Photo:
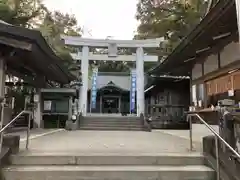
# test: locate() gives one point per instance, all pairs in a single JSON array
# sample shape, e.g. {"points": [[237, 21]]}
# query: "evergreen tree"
{"points": [[171, 19]]}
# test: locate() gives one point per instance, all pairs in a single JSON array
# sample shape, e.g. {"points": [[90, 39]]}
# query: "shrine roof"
{"points": [[158, 80], [161, 83], [28, 54], [112, 86], [216, 30]]}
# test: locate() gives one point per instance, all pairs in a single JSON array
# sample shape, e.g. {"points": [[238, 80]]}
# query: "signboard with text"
{"points": [[133, 91], [94, 88]]}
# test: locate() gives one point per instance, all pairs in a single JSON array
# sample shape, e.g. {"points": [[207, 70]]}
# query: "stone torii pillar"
{"points": [[84, 88], [140, 80]]}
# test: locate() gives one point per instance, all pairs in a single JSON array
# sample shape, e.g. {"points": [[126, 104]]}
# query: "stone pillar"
{"points": [[75, 106], [70, 107], [119, 104], [38, 122], [100, 103], [84, 89], [140, 80]]}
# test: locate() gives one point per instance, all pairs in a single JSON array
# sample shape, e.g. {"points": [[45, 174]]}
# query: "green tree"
{"points": [[114, 66], [33, 14], [22, 12], [170, 19], [52, 27]]}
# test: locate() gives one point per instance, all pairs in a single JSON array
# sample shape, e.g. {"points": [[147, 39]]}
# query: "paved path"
{"points": [[115, 141], [199, 131], [109, 142], [35, 133]]}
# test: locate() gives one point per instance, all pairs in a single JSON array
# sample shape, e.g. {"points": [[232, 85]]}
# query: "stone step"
{"points": [[111, 121], [112, 118], [105, 128], [108, 173], [109, 125], [41, 158]]}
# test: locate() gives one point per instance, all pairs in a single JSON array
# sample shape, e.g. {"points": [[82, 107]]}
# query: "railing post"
{"points": [[1, 125], [28, 130], [190, 133], [217, 158]]}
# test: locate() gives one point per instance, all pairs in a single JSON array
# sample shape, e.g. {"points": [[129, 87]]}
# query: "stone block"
{"points": [[68, 125], [229, 167], [12, 142], [75, 126], [209, 144]]}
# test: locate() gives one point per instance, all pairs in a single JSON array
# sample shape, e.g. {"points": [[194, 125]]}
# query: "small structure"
{"points": [[166, 100], [174, 95], [112, 47], [56, 106], [25, 54]]}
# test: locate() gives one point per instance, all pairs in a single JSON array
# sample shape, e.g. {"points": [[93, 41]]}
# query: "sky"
{"points": [[102, 18]]}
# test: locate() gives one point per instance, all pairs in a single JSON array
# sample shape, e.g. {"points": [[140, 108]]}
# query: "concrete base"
{"points": [[72, 125], [12, 142], [68, 125], [75, 126], [229, 168], [10, 146]]}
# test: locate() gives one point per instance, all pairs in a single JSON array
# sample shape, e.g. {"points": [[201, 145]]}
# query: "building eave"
{"points": [[36, 46], [200, 42]]}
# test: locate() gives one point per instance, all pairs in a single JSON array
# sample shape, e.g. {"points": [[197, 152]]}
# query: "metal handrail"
{"points": [[11, 122], [217, 137]]}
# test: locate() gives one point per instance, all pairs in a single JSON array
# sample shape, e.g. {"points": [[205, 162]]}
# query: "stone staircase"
{"points": [[111, 122], [75, 166]]}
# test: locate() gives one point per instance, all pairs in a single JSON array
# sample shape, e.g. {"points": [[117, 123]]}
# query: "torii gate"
{"points": [[84, 55]]}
